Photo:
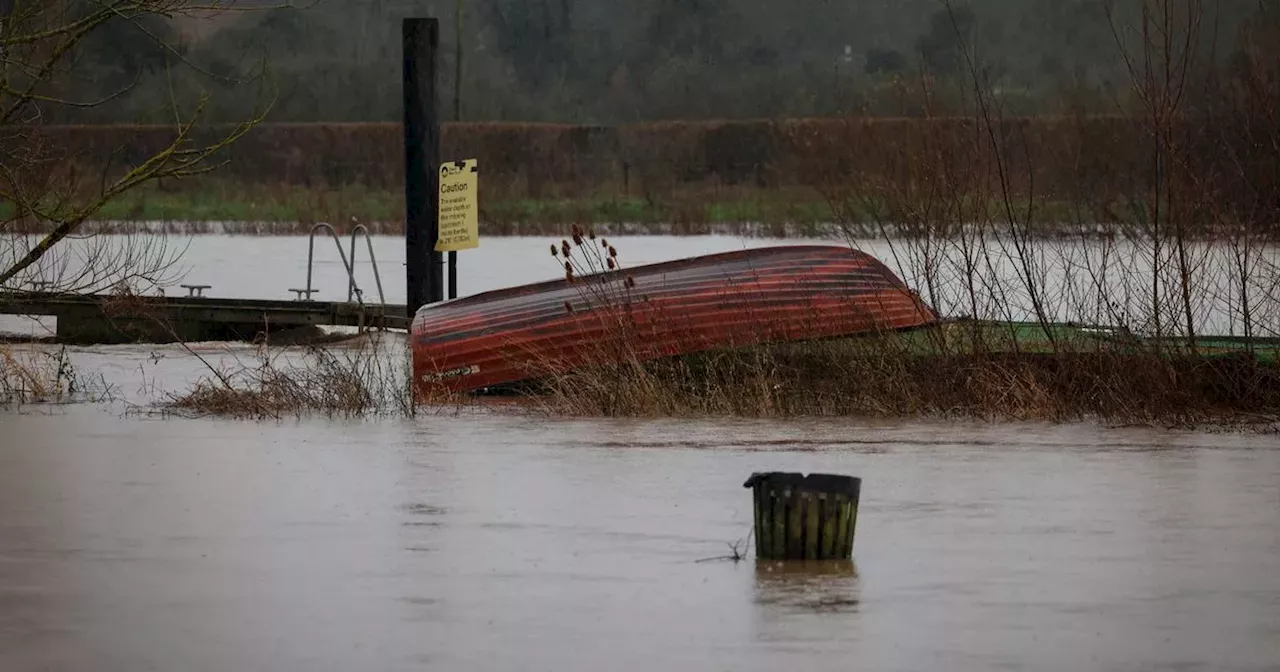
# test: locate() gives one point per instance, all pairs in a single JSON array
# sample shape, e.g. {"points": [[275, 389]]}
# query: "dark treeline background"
{"points": [[616, 61]]}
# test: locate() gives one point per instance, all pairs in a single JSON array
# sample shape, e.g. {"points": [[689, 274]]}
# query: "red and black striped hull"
{"points": [[722, 300]]}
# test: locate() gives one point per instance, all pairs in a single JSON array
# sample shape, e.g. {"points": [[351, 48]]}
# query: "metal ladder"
{"points": [[353, 289]]}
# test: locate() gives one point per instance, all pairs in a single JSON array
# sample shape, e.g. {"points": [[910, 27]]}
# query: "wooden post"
{"points": [[424, 267], [800, 517], [457, 117]]}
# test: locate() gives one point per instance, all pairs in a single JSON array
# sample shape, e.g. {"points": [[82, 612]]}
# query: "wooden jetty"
{"points": [[112, 319]]}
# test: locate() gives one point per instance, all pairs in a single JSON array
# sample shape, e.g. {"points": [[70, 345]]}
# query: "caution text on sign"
{"points": [[459, 206]]}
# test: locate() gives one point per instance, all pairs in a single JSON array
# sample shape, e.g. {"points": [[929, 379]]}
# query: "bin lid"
{"points": [[833, 483]]}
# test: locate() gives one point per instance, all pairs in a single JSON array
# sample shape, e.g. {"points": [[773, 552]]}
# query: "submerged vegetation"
{"points": [[363, 377], [897, 375], [39, 376]]}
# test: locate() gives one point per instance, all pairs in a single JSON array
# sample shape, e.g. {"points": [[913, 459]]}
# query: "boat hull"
{"points": [[788, 293]]}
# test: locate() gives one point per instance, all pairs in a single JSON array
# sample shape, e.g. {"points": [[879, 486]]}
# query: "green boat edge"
{"points": [[966, 336]]}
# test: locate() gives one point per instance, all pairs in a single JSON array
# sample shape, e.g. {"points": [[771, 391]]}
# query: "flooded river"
{"points": [[486, 540], [497, 540]]}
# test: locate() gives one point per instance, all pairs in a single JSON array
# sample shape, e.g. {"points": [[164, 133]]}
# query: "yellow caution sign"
{"points": [[459, 206]]}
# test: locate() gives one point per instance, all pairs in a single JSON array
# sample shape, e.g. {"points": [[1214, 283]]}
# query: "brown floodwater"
{"points": [[478, 541]]}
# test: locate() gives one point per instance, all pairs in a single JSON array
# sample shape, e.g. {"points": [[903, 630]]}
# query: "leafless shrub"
{"points": [[371, 379]]}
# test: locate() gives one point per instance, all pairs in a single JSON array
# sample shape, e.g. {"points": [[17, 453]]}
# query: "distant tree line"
{"points": [[614, 61]]}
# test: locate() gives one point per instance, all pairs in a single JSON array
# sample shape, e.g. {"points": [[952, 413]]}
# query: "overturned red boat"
{"points": [[788, 293]]}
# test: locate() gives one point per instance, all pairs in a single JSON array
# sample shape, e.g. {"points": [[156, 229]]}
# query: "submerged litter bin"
{"points": [[802, 517]]}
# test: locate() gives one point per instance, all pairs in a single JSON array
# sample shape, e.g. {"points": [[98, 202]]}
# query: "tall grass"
{"points": [[882, 378], [367, 377], [38, 375]]}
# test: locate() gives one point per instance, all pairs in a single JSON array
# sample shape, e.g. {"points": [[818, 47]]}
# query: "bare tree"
{"points": [[47, 192]]}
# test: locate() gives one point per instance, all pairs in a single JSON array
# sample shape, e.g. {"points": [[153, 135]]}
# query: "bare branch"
{"points": [[46, 188]]}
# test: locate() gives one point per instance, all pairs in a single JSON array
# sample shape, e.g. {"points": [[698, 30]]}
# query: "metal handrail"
{"points": [[337, 242], [373, 260]]}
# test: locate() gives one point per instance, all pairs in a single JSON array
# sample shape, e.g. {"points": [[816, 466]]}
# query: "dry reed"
{"points": [[39, 375], [368, 376], [911, 375]]}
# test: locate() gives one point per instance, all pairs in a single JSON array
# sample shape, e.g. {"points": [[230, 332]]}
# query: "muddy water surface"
{"points": [[487, 541], [495, 540]]}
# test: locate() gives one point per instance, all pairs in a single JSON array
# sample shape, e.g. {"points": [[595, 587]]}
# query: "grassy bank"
{"points": [[983, 371], [213, 205], [219, 206], [214, 200]]}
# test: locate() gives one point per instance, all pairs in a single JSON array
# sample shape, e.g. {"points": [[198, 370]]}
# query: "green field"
{"points": [[282, 209]]}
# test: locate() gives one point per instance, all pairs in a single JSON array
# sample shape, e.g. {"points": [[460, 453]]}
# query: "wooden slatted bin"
{"points": [[800, 517]]}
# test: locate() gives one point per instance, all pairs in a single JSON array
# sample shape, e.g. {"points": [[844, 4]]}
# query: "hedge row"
{"points": [[1048, 156]]}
